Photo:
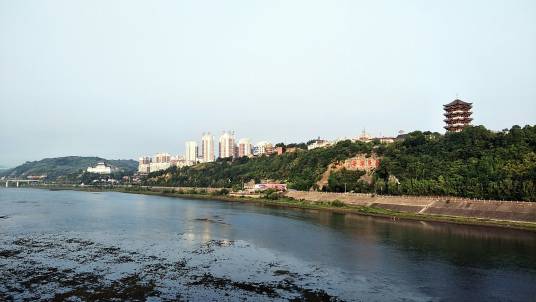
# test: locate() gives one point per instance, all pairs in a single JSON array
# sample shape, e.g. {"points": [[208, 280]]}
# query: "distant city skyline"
{"points": [[149, 76]]}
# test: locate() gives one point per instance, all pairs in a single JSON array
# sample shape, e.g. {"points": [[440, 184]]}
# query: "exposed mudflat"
{"points": [[66, 267]]}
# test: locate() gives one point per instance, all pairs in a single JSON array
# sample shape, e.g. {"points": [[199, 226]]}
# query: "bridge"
{"points": [[17, 181]]}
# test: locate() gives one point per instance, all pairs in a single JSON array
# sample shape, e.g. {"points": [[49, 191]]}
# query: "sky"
{"points": [[121, 79]]}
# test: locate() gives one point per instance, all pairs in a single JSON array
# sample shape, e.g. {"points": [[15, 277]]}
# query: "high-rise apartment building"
{"points": [[191, 153], [207, 147], [244, 147], [227, 145]]}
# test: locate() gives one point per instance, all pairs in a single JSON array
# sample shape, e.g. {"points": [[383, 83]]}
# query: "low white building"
{"points": [[319, 143], [153, 167], [101, 168]]}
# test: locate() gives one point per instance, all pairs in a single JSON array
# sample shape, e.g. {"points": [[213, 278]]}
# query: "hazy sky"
{"points": [[119, 79]]}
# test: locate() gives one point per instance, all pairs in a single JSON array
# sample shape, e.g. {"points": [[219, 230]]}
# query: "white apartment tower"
{"points": [[144, 165], [244, 147], [262, 148], [227, 145], [191, 153], [207, 147]]}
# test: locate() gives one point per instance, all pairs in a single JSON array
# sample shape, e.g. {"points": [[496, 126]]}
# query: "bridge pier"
{"points": [[19, 181]]}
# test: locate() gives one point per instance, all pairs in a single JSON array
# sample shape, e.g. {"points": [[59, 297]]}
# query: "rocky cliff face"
{"points": [[359, 162]]}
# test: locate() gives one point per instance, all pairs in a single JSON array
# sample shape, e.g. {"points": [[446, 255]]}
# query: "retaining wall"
{"points": [[453, 206]]}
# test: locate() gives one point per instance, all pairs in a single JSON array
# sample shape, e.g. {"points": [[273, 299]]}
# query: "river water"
{"points": [[69, 245]]}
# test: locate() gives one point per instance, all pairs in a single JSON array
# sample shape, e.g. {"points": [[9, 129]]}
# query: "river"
{"points": [[70, 245]]}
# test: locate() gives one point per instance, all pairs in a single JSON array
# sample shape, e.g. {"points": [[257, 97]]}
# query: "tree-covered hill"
{"points": [[300, 169], [66, 166], [475, 163]]}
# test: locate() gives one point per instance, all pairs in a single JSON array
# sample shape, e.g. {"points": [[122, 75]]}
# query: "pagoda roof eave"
{"points": [[457, 102]]}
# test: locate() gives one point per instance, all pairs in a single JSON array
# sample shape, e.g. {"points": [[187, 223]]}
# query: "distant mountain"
{"points": [[66, 166]]}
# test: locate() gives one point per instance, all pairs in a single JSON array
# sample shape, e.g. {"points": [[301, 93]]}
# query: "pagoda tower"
{"points": [[458, 115]]}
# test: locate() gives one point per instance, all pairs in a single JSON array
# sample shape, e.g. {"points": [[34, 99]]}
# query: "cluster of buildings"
{"points": [[227, 147], [457, 116], [364, 137]]}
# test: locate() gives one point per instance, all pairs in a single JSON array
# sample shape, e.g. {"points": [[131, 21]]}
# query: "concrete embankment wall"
{"points": [[185, 189], [503, 210]]}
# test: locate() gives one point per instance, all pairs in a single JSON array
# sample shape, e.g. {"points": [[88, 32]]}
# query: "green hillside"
{"points": [[300, 169], [475, 163], [66, 166]]}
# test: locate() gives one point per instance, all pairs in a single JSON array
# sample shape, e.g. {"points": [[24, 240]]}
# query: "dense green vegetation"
{"points": [[300, 169], [475, 163], [70, 167], [347, 181]]}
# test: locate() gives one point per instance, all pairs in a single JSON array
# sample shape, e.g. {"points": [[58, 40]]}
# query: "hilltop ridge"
{"points": [[57, 167]]}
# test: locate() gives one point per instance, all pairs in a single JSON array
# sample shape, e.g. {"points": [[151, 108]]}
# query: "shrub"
{"points": [[223, 191], [337, 203], [271, 194]]}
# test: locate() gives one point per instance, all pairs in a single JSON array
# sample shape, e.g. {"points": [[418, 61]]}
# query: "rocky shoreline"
{"points": [[62, 267]]}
